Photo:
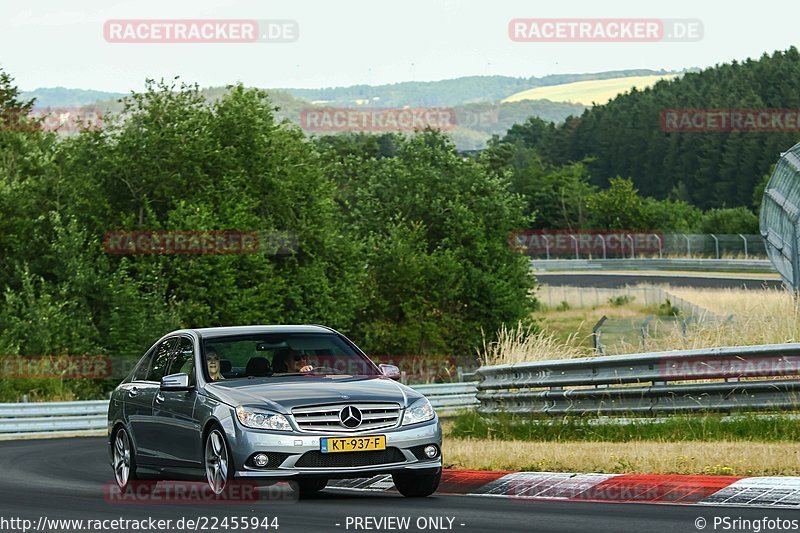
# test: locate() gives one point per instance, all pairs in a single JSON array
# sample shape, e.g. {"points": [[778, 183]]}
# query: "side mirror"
{"points": [[390, 371], [176, 382]]}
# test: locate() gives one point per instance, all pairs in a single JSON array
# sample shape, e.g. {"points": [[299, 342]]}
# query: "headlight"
{"points": [[253, 418], [419, 411]]}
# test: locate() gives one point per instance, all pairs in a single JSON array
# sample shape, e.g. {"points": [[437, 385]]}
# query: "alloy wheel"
{"points": [[216, 461], [122, 458]]}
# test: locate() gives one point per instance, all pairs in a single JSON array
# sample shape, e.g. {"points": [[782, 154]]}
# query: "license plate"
{"points": [[352, 444]]}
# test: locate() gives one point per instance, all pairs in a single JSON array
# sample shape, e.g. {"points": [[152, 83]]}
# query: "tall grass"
{"points": [[520, 344], [762, 316]]}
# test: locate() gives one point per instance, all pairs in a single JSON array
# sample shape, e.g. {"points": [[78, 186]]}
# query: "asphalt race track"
{"points": [[64, 478], [620, 280]]}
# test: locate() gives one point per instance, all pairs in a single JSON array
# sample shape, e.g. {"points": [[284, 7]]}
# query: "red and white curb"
{"points": [[623, 488]]}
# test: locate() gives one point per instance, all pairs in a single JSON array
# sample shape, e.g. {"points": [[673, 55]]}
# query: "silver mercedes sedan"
{"points": [[269, 403]]}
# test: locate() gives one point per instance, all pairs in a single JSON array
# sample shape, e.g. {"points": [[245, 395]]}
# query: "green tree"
{"points": [[618, 207], [439, 267]]}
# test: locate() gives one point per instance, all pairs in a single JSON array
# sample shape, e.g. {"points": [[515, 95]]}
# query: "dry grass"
{"points": [[763, 302], [518, 344], [712, 458], [764, 316]]}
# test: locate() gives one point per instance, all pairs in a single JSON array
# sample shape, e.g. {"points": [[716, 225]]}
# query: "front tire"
{"points": [[413, 485], [219, 468], [123, 459]]}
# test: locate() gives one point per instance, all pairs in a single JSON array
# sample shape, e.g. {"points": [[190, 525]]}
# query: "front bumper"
{"points": [[290, 447]]}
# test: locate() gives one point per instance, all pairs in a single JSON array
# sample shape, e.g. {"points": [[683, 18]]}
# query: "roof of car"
{"points": [[255, 330]]}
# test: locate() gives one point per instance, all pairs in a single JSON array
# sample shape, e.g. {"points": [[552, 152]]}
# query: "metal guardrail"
{"points": [[449, 398], [89, 417], [52, 418], [748, 378], [741, 379], [702, 265]]}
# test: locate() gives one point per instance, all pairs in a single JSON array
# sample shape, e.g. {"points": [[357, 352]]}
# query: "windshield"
{"points": [[284, 354]]}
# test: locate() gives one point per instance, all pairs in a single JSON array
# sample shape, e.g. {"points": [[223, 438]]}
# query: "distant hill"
{"points": [[458, 91], [476, 122], [476, 100], [738, 117], [589, 92], [63, 97]]}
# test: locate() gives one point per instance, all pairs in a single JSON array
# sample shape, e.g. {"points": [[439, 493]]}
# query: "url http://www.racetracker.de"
{"points": [[148, 524]]}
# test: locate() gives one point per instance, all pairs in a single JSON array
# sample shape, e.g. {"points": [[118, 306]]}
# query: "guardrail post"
{"points": [[596, 344], [745, 244], [546, 245], [643, 330], [716, 243], [575, 240], [633, 247], [603, 242], [660, 246], [688, 245], [24, 398]]}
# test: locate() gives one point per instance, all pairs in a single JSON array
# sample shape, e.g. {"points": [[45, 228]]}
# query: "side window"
{"points": [[140, 373], [161, 359], [183, 361]]}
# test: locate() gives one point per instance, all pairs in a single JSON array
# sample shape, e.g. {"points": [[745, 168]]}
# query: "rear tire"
{"points": [[413, 485], [306, 488]]}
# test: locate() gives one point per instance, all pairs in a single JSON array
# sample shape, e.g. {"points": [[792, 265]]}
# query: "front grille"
{"points": [[318, 459], [325, 418]]}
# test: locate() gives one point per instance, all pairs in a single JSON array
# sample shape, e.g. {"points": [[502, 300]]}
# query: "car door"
{"points": [[139, 402], [174, 426]]}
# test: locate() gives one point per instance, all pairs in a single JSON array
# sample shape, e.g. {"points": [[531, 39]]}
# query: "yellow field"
{"points": [[587, 92]]}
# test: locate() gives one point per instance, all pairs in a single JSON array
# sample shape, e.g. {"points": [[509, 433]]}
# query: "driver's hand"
{"points": [[306, 368]]}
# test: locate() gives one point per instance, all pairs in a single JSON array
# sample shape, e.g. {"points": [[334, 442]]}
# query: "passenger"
{"points": [[285, 362], [214, 364]]}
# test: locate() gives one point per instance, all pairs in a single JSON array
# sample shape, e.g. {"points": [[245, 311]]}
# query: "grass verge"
{"points": [[707, 428], [734, 458], [696, 445]]}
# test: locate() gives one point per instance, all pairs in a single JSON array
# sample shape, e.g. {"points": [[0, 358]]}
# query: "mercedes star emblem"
{"points": [[350, 417]]}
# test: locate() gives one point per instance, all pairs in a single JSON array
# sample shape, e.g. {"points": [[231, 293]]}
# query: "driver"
{"points": [[285, 361], [214, 365]]}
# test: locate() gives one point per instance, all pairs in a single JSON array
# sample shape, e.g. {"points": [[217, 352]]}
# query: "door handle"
{"points": [[159, 398], [133, 391]]}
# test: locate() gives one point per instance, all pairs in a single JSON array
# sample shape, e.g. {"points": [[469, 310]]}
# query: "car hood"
{"points": [[283, 394]]}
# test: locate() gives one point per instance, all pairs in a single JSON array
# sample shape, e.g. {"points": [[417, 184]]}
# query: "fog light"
{"points": [[260, 460], [431, 451]]}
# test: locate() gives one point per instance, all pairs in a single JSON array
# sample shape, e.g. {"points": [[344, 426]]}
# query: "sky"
{"points": [[48, 43]]}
